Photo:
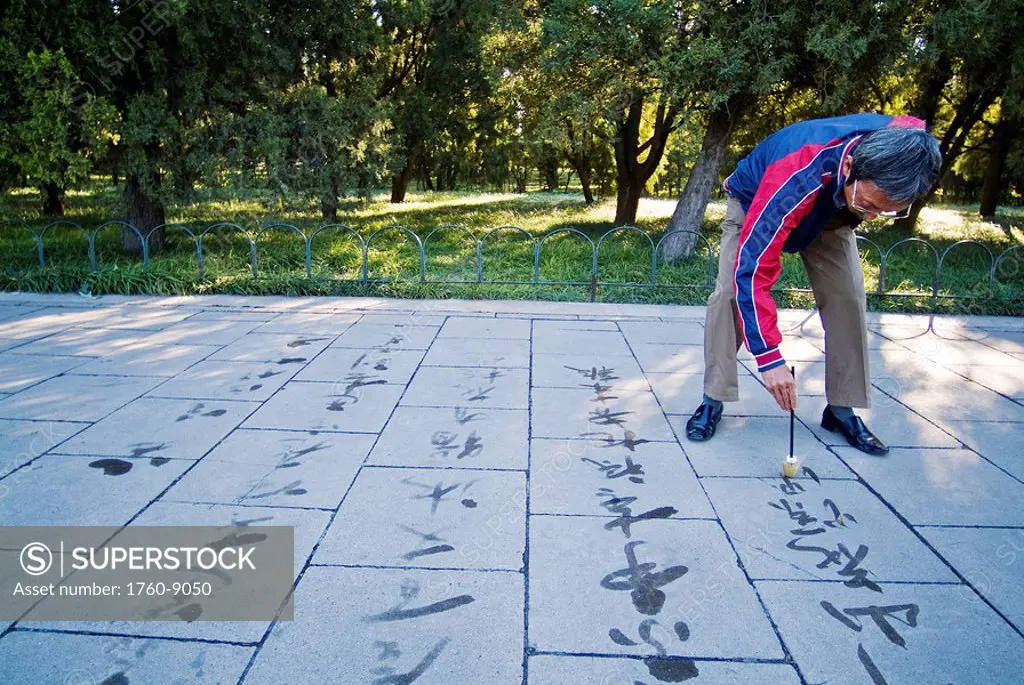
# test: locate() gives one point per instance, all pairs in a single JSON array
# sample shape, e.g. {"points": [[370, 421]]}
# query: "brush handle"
{"points": [[792, 418]]}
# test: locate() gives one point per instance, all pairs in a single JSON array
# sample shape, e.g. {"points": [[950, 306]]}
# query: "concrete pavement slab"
{"points": [[336, 363], [163, 361], [894, 423], [674, 333], [400, 625], [574, 341], [308, 525], [74, 398], [655, 358], [942, 487], [997, 441], [255, 317], [474, 387], [622, 480], [541, 446], [670, 589], [353, 404], [941, 394], [901, 635], [408, 319], [491, 329], [276, 468], [156, 427], [549, 326], [219, 380], [301, 323], [452, 437], [570, 670], [835, 530], [18, 372], [195, 331], [268, 347], [58, 490], [497, 352], [571, 413], [29, 657], [755, 446], [990, 559], [395, 337], [1003, 380], [584, 369], [85, 342], [437, 519], [23, 441]]}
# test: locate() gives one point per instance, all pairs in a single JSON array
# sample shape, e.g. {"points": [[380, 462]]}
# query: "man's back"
{"points": [[745, 180]]}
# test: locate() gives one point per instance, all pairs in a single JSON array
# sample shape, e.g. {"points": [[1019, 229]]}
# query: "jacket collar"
{"points": [[840, 180]]}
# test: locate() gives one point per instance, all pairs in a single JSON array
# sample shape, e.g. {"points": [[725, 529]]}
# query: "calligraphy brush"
{"points": [[791, 466]]}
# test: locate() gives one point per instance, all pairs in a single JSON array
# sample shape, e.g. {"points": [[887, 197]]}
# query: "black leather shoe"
{"points": [[702, 424], [855, 432]]}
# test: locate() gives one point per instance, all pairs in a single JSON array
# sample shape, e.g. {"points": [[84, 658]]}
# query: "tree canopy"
{"points": [[317, 100]]}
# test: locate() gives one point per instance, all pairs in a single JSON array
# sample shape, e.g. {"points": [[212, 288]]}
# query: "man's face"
{"points": [[869, 200]]}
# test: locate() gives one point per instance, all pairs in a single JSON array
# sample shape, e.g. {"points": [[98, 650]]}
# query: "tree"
{"points": [[56, 137], [48, 119], [169, 67], [970, 56], [517, 125], [580, 156], [740, 57], [1004, 133], [437, 75], [607, 64]]}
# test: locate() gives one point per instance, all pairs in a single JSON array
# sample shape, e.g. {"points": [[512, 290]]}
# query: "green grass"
{"points": [[508, 256]]}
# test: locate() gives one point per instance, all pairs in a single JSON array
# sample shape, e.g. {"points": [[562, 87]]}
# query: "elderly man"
{"points": [[803, 189]]}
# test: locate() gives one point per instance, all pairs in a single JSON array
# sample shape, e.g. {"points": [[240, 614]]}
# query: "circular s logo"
{"points": [[36, 558]]}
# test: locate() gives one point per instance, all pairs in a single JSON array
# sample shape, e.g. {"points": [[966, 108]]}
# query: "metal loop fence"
{"points": [[1000, 267]]}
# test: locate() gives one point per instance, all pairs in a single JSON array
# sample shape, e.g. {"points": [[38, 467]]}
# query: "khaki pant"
{"points": [[833, 267]]}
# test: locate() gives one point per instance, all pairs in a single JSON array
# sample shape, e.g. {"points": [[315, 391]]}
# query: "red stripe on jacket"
{"points": [[907, 121], [784, 197]]}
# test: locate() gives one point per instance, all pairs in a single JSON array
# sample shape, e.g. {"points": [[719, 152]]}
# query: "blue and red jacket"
{"points": [[790, 185]]}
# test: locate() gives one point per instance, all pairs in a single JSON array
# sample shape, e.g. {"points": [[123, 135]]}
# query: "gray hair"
{"points": [[903, 162]]}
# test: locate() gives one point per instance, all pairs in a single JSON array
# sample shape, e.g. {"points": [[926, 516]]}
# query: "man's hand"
{"points": [[782, 386]]}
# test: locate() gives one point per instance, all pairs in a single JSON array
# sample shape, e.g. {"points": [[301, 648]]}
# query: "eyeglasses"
{"points": [[886, 214]]}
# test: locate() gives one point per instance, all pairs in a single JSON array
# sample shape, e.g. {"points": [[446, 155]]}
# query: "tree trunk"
{"points": [[910, 222], [584, 174], [927, 105], [329, 209], [114, 160], [363, 189], [549, 171], [631, 173], [579, 159], [992, 187], [53, 200], [520, 174], [968, 113], [927, 108], [144, 213], [580, 163], [627, 201], [329, 201], [689, 213], [400, 185]]}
